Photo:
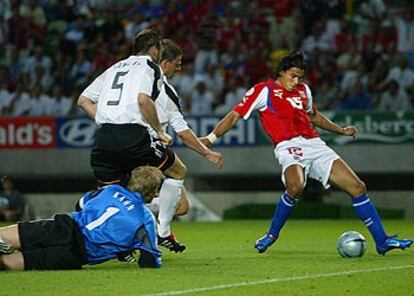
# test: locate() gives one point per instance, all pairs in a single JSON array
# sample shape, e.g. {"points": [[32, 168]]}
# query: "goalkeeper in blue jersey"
{"points": [[113, 220]]}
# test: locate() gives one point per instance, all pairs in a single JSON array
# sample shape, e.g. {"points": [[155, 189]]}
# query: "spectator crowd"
{"points": [[360, 53]]}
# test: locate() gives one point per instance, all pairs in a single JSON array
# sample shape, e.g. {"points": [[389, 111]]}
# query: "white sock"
{"points": [[154, 206], [170, 194]]}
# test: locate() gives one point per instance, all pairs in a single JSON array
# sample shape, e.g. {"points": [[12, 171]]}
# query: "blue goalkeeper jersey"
{"points": [[115, 220]]}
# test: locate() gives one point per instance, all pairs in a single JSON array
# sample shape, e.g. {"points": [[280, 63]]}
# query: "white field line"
{"points": [[279, 280]]}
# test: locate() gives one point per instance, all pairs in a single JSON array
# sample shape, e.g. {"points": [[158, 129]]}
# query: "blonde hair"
{"points": [[146, 180]]}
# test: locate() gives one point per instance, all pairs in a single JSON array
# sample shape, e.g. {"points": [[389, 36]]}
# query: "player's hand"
{"points": [[216, 158], [148, 260], [165, 138], [205, 141], [351, 130]]}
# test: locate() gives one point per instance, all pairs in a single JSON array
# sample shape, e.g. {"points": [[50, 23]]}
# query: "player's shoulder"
{"points": [[114, 188], [304, 90], [263, 84], [303, 87], [258, 87], [154, 67]]}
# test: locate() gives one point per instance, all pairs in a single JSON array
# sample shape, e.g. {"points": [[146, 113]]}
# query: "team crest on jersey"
{"points": [[243, 101], [278, 93], [302, 94], [250, 92]]}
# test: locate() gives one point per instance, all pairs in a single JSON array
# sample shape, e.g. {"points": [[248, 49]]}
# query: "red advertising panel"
{"points": [[26, 132]]}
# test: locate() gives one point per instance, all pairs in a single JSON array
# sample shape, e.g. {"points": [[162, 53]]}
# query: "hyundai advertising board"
{"points": [[75, 132]]}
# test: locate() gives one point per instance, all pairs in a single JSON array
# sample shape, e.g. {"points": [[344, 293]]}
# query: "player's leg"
{"points": [[12, 261], [170, 193], [119, 149], [294, 178], [158, 155], [345, 178], [52, 244], [182, 207], [105, 169], [183, 204], [295, 183], [9, 239]]}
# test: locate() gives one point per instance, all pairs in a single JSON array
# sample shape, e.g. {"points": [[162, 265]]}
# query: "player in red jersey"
{"points": [[288, 115]]}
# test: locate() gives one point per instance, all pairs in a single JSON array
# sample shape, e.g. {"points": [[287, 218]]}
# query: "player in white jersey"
{"points": [[169, 113], [121, 100]]}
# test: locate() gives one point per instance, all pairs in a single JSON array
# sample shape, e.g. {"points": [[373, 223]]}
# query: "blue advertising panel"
{"points": [[79, 132], [75, 132], [245, 133]]}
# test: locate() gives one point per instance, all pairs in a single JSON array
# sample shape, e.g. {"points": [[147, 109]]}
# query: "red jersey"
{"points": [[284, 114]]}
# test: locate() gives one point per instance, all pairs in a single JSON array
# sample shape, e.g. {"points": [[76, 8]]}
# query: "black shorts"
{"points": [[52, 244], [121, 148]]}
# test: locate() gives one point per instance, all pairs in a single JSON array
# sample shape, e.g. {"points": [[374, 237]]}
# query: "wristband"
{"points": [[211, 137]]}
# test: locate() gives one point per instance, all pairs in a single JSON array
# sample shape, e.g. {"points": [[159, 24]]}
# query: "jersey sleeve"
{"points": [[85, 198], [172, 108], [148, 260], [310, 107], [146, 242], [151, 81], [254, 99], [177, 121], [93, 91]]}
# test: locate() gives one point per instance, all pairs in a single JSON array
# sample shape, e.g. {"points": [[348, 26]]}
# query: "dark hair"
{"points": [[144, 40], [170, 50], [294, 59]]}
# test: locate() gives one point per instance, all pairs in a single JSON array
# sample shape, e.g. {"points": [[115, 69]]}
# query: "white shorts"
{"points": [[313, 155]]}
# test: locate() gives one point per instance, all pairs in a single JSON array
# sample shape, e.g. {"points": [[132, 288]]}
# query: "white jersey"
{"points": [[116, 90], [169, 110]]}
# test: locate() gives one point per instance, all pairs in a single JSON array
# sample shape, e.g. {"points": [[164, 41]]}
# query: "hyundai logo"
{"points": [[78, 132]]}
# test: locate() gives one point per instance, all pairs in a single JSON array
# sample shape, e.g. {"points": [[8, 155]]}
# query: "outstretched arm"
{"points": [[226, 124], [191, 141], [320, 120]]}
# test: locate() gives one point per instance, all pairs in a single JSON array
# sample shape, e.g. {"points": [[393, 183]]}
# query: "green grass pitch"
{"points": [[220, 260]]}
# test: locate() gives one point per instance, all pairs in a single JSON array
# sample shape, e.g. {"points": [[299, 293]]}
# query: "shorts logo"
{"points": [[296, 152], [156, 146]]}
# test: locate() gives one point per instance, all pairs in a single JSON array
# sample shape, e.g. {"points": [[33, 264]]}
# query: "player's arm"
{"points": [[149, 112], [88, 99], [87, 105], [226, 124], [149, 260], [191, 141], [147, 94], [320, 120], [150, 256]]}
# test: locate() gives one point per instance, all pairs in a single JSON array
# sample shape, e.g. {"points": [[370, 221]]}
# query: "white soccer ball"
{"points": [[351, 244]]}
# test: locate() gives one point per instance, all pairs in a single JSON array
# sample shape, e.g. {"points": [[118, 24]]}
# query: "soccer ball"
{"points": [[351, 244]]}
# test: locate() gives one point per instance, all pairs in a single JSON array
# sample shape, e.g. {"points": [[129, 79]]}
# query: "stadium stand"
{"points": [[356, 49]]}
